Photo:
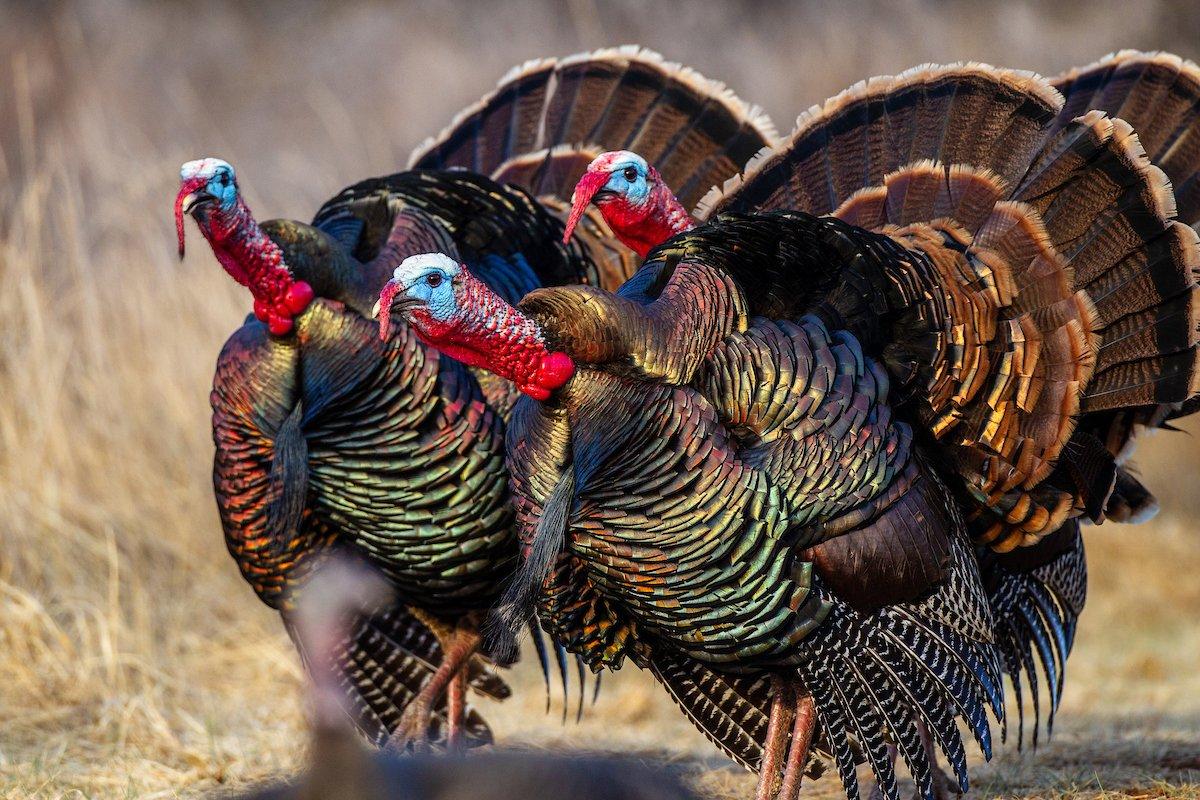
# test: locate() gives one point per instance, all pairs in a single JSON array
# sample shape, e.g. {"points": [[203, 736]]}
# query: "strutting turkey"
{"points": [[331, 440], [1037, 594], [742, 482]]}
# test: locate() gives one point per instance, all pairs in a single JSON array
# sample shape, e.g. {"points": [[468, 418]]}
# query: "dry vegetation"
{"points": [[133, 660]]}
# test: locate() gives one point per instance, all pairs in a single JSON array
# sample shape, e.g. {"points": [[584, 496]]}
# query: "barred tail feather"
{"points": [[876, 675], [1036, 608], [864, 686], [730, 710]]}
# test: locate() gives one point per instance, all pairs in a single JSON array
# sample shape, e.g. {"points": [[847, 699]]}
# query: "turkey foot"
{"points": [[789, 734], [458, 646]]}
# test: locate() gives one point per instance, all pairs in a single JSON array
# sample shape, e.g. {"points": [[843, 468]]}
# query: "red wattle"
{"points": [[536, 392], [299, 295], [557, 369], [262, 311], [280, 326]]}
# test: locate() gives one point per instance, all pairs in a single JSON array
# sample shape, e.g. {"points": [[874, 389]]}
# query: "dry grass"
{"points": [[133, 660]]}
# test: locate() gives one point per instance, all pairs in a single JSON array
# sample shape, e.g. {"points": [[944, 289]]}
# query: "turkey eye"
{"points": [[434, 279], [631, 174]]}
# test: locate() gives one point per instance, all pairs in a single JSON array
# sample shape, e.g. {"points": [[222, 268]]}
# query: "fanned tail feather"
{"points": [[1156, 93], [546, 116], [730, 710], [969, 114], [869, 677]]}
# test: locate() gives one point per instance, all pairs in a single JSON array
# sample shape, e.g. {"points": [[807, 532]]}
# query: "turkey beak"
{"points": [[585, 191], [193, 199]]}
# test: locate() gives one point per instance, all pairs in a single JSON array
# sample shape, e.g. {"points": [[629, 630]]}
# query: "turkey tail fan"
{"points": [[1110, 213], [550, 171], [969, 114], [385, 661], [1037, 594], [1069, 293], [1158, 94], [551, 112]]}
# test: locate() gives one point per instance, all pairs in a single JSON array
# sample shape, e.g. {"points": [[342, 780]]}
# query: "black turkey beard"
{"points": [[515, 610]]}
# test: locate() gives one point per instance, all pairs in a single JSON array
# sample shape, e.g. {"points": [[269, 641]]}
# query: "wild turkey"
{"points": [[1036, 594], [745, 469], [330, 440]]}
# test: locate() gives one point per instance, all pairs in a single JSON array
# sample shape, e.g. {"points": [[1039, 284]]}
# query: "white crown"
{"points": [[203, 168], [414, 267]]}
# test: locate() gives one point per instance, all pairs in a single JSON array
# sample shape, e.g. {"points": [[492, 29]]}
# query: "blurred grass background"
{"points": [[134, 662]]}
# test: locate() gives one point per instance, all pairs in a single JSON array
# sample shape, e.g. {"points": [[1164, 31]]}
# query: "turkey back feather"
{"points": [[482, 218]]}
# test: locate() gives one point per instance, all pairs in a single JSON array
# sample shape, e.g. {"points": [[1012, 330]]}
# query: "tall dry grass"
{"points": [[133, 660]]}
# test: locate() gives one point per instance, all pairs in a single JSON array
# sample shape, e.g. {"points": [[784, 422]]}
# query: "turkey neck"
{"points": [[248, 254], [498, 337], [643, 233]]}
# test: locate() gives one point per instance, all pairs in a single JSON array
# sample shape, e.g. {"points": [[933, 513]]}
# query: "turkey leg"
{"points": [[779, 729], [455, 710], [778, 723], [458, 646], [802, 732]]}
